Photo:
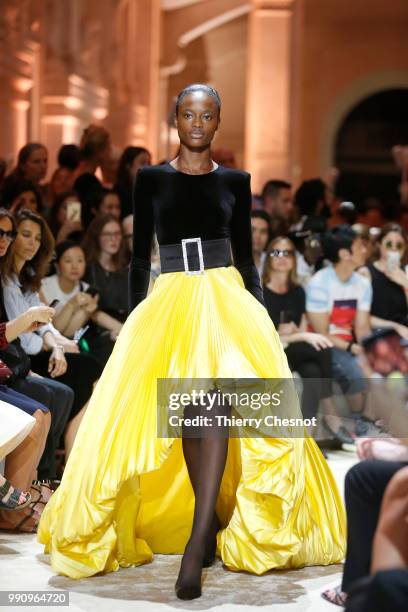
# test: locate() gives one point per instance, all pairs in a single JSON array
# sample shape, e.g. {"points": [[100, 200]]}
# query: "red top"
{"points": [[3, 339]]}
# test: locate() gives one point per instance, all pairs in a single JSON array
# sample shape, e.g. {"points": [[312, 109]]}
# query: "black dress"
{"points": [[389, 300], [312, 365], [220, 199]]}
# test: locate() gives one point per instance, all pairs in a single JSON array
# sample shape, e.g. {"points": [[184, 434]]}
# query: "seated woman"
{"points": [[107, 272], [75, 306], [23, 270], [389, 280], [308, 353]]}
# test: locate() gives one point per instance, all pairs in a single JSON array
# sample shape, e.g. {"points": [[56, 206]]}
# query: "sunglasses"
{"points": [[399, 246], [281, 253], [10, 236]]}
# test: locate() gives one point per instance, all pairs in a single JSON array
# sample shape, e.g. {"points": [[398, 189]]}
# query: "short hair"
{"points": [[340, 237], [272, 188], [69, 156], [198, 87], [64, 246], [309, 194]]}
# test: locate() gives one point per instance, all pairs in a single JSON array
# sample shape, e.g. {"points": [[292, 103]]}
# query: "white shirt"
{"points": [[16, 303], [51, 290]]}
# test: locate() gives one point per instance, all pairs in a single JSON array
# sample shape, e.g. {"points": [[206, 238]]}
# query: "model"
{"points": [[258, 502]]}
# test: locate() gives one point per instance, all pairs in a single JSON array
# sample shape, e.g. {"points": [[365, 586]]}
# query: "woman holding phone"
{"points": [[389, 280], [77, 307], [51, 353]]}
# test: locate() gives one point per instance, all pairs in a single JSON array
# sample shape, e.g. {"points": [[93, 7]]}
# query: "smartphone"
{"points": [[80, 332], [74, 211], [92, 291], [393, 260], [54, 303], [385, 352]]}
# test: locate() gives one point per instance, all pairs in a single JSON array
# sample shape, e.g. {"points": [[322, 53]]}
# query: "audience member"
{"points": [[365, 486], [313, 200], [55, 399], [131, 160], [371, 213], [75, 306], [107, 272], [108, 204], [338, 306], [21, 193], [69, 157], [261, 236], [65, 218], [127, 228], [389, 281], [51, 353], [307, 352], [278, 203]]}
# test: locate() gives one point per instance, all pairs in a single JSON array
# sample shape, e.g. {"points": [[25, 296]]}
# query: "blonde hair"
{"points": [[293, 280]]}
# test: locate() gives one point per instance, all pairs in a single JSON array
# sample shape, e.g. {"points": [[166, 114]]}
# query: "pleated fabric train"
{"points": [[125, 493]]}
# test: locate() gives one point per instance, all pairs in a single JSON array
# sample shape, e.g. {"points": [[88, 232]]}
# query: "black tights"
{"points": [[205, 451]]}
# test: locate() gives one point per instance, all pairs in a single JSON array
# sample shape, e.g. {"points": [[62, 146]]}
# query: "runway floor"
{"points": [[150, 587]]}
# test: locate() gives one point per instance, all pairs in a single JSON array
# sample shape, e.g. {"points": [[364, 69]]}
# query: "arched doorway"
{"points": [[363, 147]]}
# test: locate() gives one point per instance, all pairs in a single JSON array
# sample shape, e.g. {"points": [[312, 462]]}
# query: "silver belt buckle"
{"points": [[200, 255]]}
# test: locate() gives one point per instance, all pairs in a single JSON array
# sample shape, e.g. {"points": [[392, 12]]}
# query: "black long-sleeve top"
{"points": [[179, 205]]}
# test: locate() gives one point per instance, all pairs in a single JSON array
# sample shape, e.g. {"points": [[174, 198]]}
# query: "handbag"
{"points": [[16, 360]]}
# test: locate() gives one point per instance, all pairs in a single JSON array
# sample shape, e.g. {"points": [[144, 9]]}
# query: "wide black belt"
{"points": [[193, 255]]}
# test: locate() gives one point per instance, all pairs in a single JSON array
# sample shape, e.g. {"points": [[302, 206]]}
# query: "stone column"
{"points": [[268, 99], [134, 78], [17, 56]]}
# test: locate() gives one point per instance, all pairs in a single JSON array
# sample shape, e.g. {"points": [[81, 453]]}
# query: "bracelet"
{"points": [[60, 347]]}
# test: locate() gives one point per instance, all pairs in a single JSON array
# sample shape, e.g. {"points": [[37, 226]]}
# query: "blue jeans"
{"points": [[347, 372]]}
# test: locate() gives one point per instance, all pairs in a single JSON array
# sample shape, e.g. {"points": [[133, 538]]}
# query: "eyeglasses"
{"points": [[111, 235], [10, 236], [399, 246], [281, 253]]}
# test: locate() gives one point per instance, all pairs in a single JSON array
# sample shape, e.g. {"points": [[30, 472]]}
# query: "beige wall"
{"points": [[219, 58], [122, 62], [349, 50]]}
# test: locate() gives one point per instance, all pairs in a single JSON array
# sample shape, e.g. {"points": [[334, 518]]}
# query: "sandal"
{"points": [[28, 524], [40, 499], [335, 596], [13, 502], [47, 484]]}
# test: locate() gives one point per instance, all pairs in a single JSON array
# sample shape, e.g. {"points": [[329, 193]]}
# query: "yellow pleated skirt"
{"points": [[125, 493]]}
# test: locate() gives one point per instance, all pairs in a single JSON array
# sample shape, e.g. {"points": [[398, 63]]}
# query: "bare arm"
{"points": [[362, 327], [320, 323]]}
